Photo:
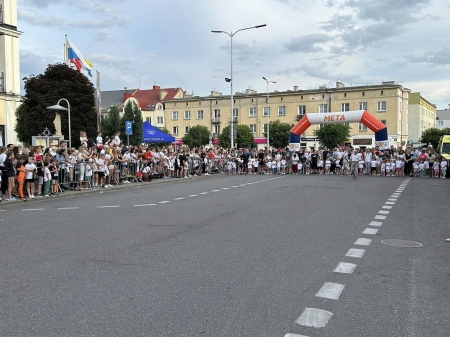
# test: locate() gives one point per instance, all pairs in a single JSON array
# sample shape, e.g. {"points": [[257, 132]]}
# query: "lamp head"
{"points": [[56, 107], [260, 26]]}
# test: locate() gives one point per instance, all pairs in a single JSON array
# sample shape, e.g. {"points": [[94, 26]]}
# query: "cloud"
{"points": [[438, 57], [243, 51], [307, 43]]}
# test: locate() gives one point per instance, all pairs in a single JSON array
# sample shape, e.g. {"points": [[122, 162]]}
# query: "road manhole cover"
{"points": [[402, 243]]}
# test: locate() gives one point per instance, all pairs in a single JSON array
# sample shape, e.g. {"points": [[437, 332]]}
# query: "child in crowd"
{"points": [[40, 175], [338, 167], [99, 141], [443, 168], [30, 168], [421, 169], [373, 166], [230, 167], [398, 167], [283, 165], [278, 166], [274, 166], [54, 176], [361, 167], [436, 166], [388, 167], [233, 167], [327, 166], [20, 176], [415, 168], [250, 166], [383, 168], [426, 164], [320, 165], [83, 138], [47, 178], [88, 174], [255, 166]]}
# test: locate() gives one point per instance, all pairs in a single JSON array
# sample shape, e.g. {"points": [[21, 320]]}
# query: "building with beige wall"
{"points": [[388, 102], [421, 116], [9, 70]]}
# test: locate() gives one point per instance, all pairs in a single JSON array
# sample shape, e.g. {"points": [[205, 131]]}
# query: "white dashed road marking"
{"points": [[144, 205], [65, 208], [315, 318], [33, 209], [331, 291], [394, 196], [376, 223], [392, 199], [108, 206], [163, 202], [355, 252], [193, 195], [225, 188], [363, 242], [203, 193], [383, 212], [390, 203], [345, 268], [371, 231], [180, 198], [387, 207], [215, 191], [293, 335], [380, 217]]}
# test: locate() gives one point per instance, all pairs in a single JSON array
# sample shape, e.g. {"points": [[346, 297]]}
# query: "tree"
{"points": [[111, 123], [332, 135], [58, 81], [432, 136], [244, 137], [198, 135], [279, 134], [136, 139]]}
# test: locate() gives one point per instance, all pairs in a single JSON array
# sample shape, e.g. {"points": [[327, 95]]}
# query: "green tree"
{"points": [[244, 137], [432, 136], [58, 81], [136, 139], [279, 134], [198, 135], [332, 135], [111, 123]]}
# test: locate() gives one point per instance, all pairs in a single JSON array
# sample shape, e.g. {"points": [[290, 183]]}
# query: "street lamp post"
{"points": [[268, 111], [231, 34], [59, 107]]}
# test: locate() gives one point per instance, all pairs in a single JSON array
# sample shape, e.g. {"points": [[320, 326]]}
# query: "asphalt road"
{"points": [[230, 256]]}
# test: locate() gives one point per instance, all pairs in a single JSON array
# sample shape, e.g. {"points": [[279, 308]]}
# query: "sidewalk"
{"points": [[69, 193]]}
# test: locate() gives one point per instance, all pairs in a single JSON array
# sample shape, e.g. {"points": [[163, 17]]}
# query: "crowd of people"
{"points": [[37, 172]]}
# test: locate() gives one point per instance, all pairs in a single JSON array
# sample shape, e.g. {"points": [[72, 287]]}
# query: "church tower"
{"points": [[9, 70]]}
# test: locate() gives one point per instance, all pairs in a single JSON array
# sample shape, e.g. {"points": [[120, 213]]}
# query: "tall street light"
{"points": [[268, 111], [59, 107], [231, 34]]}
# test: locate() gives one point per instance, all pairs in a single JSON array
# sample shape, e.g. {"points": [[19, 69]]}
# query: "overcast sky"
{"points": [[139, 43]]}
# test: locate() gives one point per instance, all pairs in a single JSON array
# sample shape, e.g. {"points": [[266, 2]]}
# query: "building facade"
{"points": [[421, 116], [388, 102], [9, 70], [442, 119]]}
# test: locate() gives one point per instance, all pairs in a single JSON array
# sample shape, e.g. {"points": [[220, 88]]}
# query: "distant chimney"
{"points": [[295, 87], [339, 84], [126, 96], [388, 82], [250, 91], [215, 93], [155, 87], [125, 88]]}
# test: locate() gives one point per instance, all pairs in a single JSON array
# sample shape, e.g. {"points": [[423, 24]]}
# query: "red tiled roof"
{"points": [[151, 96]]}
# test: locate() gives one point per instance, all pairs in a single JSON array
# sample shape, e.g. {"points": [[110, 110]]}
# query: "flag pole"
{"points": [[65, 51], [99, 104]]}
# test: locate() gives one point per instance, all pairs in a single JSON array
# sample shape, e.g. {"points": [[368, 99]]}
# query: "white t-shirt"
{"points": [[368, 158], [99, 141], [29, 167], [101, 165], [2, 159], [356, 157], [443, 164], [436, 165], [421, 166], [373, 163], [146, 169], [426, 163], [398, 164], [47, 175]]}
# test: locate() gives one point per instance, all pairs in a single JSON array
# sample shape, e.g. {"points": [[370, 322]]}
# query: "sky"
{"points": [[141, 43]]}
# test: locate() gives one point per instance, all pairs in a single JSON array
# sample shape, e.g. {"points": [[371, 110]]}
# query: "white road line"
{"points": [[144, 205], [249, 183], [215, 191], [387, 207], [331, 291], [180, 198], [383, 212], [363, 242], [203, 193], [193, 195], [380, 217], [242, 184], [371, 231], [33, 209], [293, 335], [108, 206], [390, 202], [315, 318], [395, 196], [163, 202], [396, 193], [392, 199], [66, 208], [225, 188], [375, 223], [233, 186], [355, 252], [345, 268]]}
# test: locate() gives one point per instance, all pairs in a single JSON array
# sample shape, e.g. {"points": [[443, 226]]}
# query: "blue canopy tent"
{"points": [[150, 134]]}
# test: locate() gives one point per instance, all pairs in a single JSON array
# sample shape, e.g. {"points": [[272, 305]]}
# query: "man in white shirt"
{"points": [[355, 158], [367, 162]]}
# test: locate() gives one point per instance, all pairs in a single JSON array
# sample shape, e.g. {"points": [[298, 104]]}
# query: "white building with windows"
{"points": [[9, 70], [442, 119], [421, 116]]}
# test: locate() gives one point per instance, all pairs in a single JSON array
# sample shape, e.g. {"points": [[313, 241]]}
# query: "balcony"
{"points": [[215, 120]]}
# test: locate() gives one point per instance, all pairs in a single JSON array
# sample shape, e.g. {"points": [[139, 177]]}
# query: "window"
{"points": [[216, 102], [148, 120], [187, 129], [301, 110], [159, 120], [323, 96], [440, 123], [382, 92], [235, 112], [199, 103], [383, 121], [175, 130], [266, 112], [345, 107], [252, 112], [362, 127], [199, 114], [187, 114], [363, 94], [281, 111], [301, 97], [362, 105], [174, 115], [265, 128], [252, 100], [323, 108], [187, 103], [281, 98], [217, 129], [345, 94], [381, 106], [252, 128]]}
